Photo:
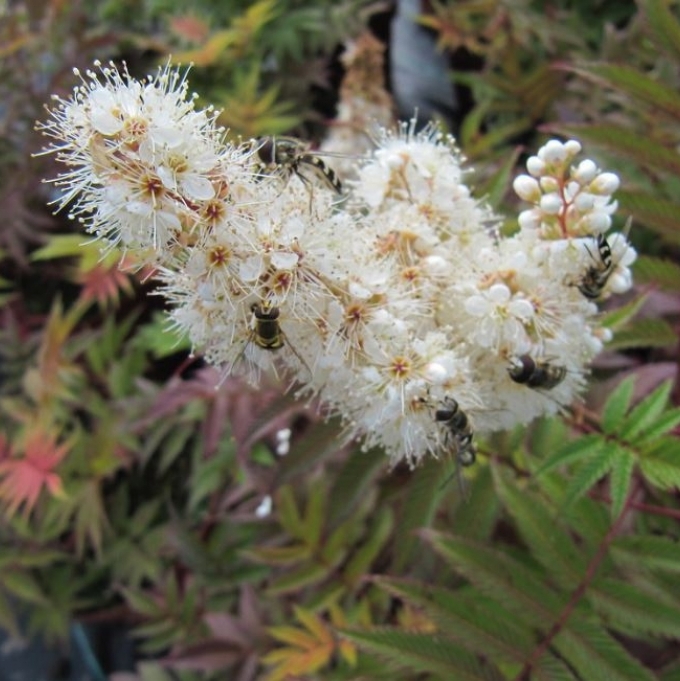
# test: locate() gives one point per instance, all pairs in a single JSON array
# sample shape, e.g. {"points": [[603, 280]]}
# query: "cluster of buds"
{"points": [[392, 299]]}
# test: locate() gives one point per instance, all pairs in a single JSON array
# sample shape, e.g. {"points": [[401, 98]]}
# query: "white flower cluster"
{"points": [[399, 305]]}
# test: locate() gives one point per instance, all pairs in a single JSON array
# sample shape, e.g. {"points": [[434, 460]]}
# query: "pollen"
{"points": [[151, 186], [219, 256], [400, 367]]}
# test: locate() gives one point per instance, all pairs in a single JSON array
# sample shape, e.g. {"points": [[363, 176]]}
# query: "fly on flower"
{"points": [[266, 332], [536, 373], [597, 276], [290, 156]]}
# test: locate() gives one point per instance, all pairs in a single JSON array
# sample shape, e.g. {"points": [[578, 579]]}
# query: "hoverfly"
{"points": [[458, 430], [266, 332], [594, 280], [536, 373], [292, 157]]}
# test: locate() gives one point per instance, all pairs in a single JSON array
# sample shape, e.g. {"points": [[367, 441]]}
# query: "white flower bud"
{"points": [[585, 172], [529, 219], [527, 188], [551, 204], [535, 166], [549, 184], [572, 147], [597, 222], [605, 184], [553, 152], [584, 201]]}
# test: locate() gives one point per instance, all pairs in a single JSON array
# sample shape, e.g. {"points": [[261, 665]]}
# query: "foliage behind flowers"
{"points": [[398, 296]]}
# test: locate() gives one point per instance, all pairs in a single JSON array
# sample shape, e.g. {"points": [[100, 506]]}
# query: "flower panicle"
{"points": [[385, 305]]}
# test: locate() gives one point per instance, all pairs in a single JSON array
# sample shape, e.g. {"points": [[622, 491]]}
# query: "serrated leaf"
{"points": [[299, 578], [616, 407], [658, 214], [620, 480], [288, 513], [142, 603], [479, 625], [646, 412], [649, 552], [421, 653], [497, 186], [352, 484], [64, 246], [548, 543], [637, 85], [667, 422], [418, 511], [589, 473], [641, 149], [279, 555], [584, 447], [314, 624], [594, 654], [621, 316], [633, 611], [476, 517], [663, 25], [23, 586], [657, 271], [518, 587], [661, 465], [644, 333], [315, 514], [379, 533]]}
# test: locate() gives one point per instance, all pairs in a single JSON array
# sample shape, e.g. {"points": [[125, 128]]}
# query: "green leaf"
{"points": [[497, 186], [663, 25], [649, 332], [653, 211], [620, 480], [664, 424], [315, 514], [584, 447], [353, 483], [480, 625], [477, 515], [637, 85], [646, 412], [379, 534], [142, 603], [621, 316], [634, 611], [616, 407], [640, 149], [548, 543], [518, 587], [299, 578], [423, 653], [594, 654], [23, 586], [658, 272], [288, 512], [660, 465], [64, 246], [648, 552], [589, 473], [422, 499]]}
